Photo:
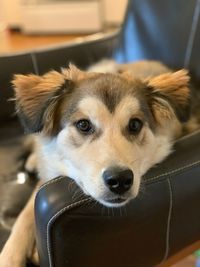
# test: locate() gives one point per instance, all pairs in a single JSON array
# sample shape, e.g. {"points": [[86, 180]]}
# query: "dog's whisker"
{"points": [[120, 209], [89, 202], [77, 194], [108, 211], [81, 195], [113, 214], [125, 209], [11, 99], [102, 210], [70, 185], [71, 188]]}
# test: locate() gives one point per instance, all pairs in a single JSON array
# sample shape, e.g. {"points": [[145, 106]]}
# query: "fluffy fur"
{"points": [[50, 106]]}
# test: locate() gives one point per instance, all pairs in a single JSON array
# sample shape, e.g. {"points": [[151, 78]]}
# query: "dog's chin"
{"points": [[114, 202]]}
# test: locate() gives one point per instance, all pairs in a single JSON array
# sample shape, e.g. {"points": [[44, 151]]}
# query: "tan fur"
{"points": [[145, 90], [74, 74], [32, 90], [143, 69], [175, 84]]}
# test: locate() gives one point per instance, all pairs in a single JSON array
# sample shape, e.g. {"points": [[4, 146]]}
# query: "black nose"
{"points": [[118, 180]]}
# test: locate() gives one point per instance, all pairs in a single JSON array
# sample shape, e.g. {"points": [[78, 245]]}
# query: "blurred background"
{"points": [[31, 23]]}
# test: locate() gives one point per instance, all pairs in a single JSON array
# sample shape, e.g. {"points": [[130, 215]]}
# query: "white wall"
{"points": [[2, 15], [113, 11], [11, 12]]}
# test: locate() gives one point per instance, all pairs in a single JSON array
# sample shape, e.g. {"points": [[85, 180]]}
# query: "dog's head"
{"points": [[103, 130]]}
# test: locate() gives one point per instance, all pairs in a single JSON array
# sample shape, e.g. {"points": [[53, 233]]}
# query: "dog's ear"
{"points": [[38, 98], [169, 95]]}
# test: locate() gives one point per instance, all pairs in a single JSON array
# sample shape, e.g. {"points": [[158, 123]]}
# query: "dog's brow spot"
{"points": [[110, 99]]}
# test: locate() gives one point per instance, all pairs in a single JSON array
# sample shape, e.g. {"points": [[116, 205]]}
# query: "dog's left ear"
{"points": [[39, 98], [169, 94]]}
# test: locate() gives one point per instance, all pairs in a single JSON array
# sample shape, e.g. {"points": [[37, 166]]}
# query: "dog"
{"points": [[104, 128]]}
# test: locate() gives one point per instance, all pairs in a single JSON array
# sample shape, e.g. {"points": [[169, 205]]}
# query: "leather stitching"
{"points": [[55, 180], [173, 172], [75, 204], [168, 222], [54, 217]]}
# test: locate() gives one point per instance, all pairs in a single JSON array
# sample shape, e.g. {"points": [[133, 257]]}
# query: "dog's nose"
{"points": [[118, 180]]}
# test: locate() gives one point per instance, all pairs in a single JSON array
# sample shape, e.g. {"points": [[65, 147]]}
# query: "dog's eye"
{"points": [[135, 126], [84, 126]]}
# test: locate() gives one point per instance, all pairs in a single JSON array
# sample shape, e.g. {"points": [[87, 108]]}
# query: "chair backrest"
{"points": [[168, 31], [41, 60]]}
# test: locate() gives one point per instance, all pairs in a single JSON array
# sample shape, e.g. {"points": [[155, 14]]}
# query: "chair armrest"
{"points": [[74, 230]]}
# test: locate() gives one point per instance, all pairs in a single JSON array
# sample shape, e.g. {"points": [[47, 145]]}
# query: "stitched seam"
{"points": [[88, 199], [188, 136], [196, 163], [53, 218], [55, 180], [167, 247], [192, 34], [73, 205]]}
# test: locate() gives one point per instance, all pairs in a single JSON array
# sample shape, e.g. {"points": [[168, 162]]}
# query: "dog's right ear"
{"points": [[169, 95], [39, 98]]}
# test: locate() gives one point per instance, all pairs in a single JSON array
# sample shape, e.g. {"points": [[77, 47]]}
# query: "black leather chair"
{"points": [[165, 218]]}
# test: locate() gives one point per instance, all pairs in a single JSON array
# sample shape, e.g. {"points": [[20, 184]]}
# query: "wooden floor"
{"points": [[15, 42], [184, 258], [189, 261]]}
